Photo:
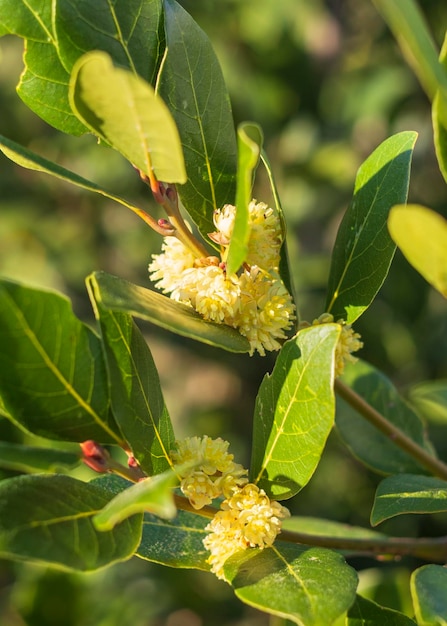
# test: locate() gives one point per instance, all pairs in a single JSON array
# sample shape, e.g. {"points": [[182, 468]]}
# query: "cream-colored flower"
{"points": [[247, 519], [348, 342], [168, 267], [214, 474]]}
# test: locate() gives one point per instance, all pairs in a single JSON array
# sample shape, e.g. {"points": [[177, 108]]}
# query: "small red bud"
{"points": [[95, 456]]}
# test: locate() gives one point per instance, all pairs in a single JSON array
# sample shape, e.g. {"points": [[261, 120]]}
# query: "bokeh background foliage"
{"points": [[327, 83]]}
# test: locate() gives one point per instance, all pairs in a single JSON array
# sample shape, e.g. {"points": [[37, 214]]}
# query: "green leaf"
{"points": [[429, 593], [430, 399], [329, 528], [31, 161], [249, 150], [175, 543], [53, 380], [124, 110], [310, 586], [367, 613], [408, 493], [368, 444], [363, 249], [30, 19], [193, 87], [21, 458], [137, 400], [294, 412], [120, 295], [48, 519], [421, 235], [151, 494]]}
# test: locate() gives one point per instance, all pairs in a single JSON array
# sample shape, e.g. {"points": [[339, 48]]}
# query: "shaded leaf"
{"points": [[124, 110], [120, 295], [408, 493], [421, 234], [429, 593], [192, 85], [373, 448], [363, 249], [152, 494], [53, 380], [177, 542], [48, 519], [137, 400], [310, 586], [430, 399], [249, 150], [23, 458], [367, 613], [294, 412]]}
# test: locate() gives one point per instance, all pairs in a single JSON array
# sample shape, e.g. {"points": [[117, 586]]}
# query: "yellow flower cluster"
{"points": [[248, 518], [348, 342], [255, 301]]}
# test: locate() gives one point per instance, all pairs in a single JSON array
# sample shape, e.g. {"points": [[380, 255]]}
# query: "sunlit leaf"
{"points": [[366, 442], [294, 412], [30, 19], [363, 249], [137, 400], [48, 519], [430, 399], [53, 380], [367, 613], [124, 110], [429, 593], [249, 150], [193, 87], [408, 493], [22, 458], [310, 586], [151, 494], [120, 295], [329, 528], [421, 234]]}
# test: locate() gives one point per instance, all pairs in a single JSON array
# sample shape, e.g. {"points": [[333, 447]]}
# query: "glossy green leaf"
{"points": [[294, 412], [367, 613], [430, 399], [21, 458], [48, 519], [363, 249], [329, 528], [31, 161], [124, 110], [177, 542], [429, 593], [120, 295], [152, 494], [421, 235], [137, 400], [192, 85], [408, 493], [53, 380], [249, 150], [368, 444], [310, 586]]}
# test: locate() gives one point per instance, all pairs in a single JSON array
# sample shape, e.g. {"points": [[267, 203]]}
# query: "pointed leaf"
{"points": [[421, 234], [53, 380], [367, 613], [175, 543], [192, 85], [23, 458], [363, 249], [430, 399], [373, 448], [137, 400], [310, 586], [120, 295], [123, 109], [294, 412], [249, 150], [429, 593], [151, 494], [48, 519], [408, 493]]}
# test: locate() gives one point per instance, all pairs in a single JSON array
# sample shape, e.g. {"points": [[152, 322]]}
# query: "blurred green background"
{"points": [[327, 82]]}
